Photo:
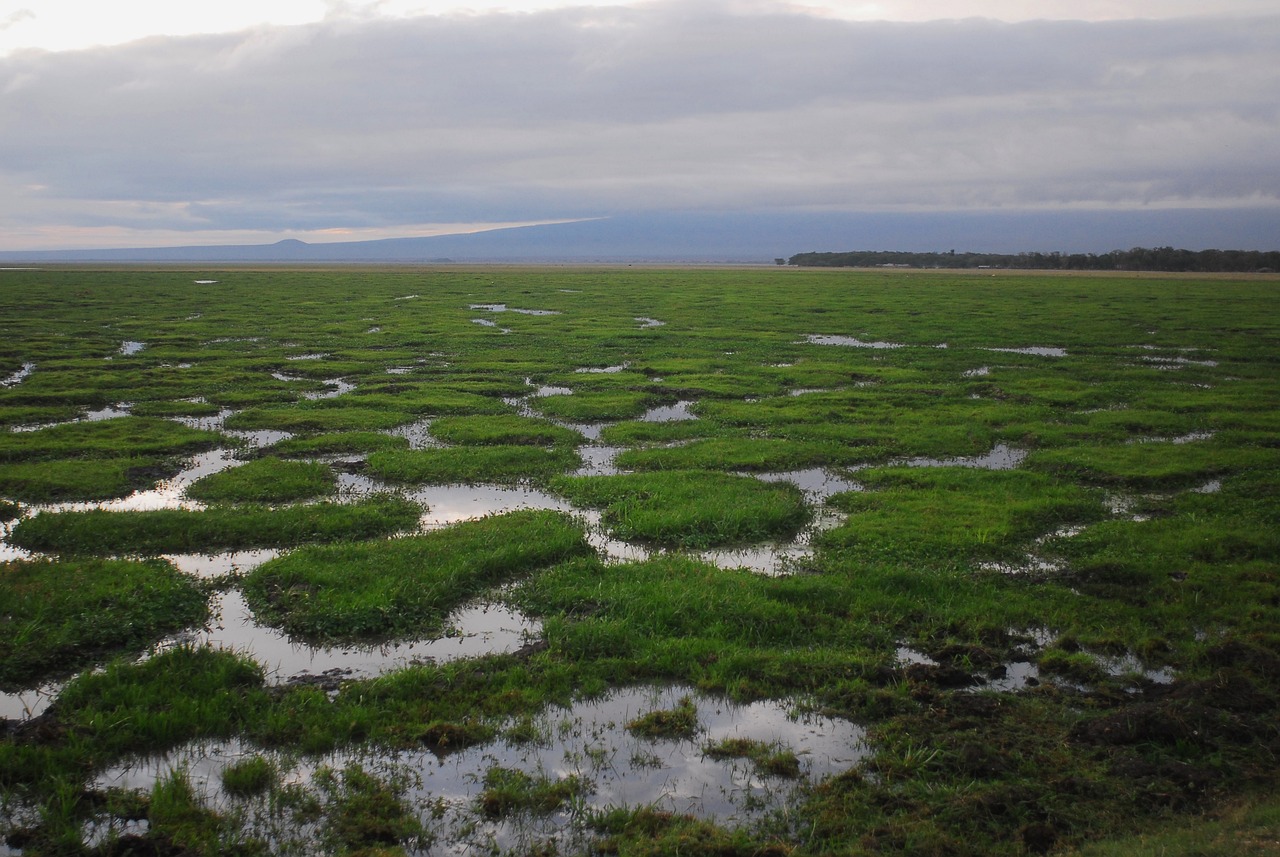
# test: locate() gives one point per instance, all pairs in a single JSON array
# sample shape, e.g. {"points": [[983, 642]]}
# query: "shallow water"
{"points": [[649, 322], [1001, 457], [1038, 350], [848, 342], [588, 740], [18, 376], [130, 346], [670, 413]]}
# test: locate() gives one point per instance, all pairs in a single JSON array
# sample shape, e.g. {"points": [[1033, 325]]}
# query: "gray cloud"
{"points": [[676, 106]]}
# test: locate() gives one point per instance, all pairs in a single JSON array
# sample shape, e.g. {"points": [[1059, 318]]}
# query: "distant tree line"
{"points": [[1137, 259]]}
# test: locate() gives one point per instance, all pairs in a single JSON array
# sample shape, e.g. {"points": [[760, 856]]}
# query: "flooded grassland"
{"points": [[575, 561]]}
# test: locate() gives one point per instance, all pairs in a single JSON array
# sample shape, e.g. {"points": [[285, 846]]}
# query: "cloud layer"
{"points": [[385, 125]]}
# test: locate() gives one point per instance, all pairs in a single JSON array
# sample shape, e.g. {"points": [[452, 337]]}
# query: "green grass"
{"points": [[82, 480], [954, 514], [471, 464], [404, 586], [502, 430], [59, 616], [690, 509], [265, 480], [1152, 570], [216, 528]]}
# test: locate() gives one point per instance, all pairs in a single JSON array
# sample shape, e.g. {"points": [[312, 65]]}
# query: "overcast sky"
{"points": [[138, 123]]}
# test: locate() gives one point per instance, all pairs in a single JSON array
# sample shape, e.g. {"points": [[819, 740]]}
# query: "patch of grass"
{"points": [[82, 480], [745, 453], [341, 443], [315, 419], [405, 586], [679, 722], [690, 509], [769, 759], [510, 790], [471, 464], [217, 528], [1152, 466], [954, 514], [265, 480], [364, 814], [590, 407], [122, 437], [507, 429], [252, 775], [58, 616]]}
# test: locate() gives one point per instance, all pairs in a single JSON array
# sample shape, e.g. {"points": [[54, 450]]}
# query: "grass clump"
{"points": [[363, 814], [769, 759], [252, 775], [409, 585], [82, 480], [690, 509], [507, 429], [471, 464], [509, 790], [678, 722], [57, 616], [217, 528], [588, 407], [265, 480], [122, 437], [954, 514], [339, 443]]}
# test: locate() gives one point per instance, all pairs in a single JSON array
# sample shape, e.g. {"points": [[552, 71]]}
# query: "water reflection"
{"points": [[588, 740]]}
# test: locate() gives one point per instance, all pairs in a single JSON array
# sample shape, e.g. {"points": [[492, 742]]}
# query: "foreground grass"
{"points": [[57, 616]]}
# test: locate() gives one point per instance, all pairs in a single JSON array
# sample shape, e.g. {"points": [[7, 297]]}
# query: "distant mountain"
{"points": [[749, 237]]}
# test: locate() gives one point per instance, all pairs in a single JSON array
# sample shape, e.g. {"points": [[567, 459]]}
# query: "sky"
{"points": [[142, 123]]}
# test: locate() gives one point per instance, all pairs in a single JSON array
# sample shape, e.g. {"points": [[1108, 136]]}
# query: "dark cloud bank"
{"points": [[969, 134]]}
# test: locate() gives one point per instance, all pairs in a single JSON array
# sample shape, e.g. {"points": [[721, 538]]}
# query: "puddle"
{"points": [[450, 504], [980, 372], [204, 282], [487, 323], [588, 740], [1213, 486], [18, 376], [1001, 457], [406, 298], [598, 461], [505, 308], [209, 566], [472, 631], [167, 494], [1177, 362], [606, 370], [374, 329], [340, 387], [649, 322], [848, 342], [129, 346], [817, 483], [307, 357], [399, 370], [1038, 350], [110, 412], [418, 434], [669, 413], [1181, 439]]}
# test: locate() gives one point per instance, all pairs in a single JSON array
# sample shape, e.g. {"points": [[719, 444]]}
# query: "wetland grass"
{"points": [[388, 589], [1129, 561], [265, 480], [690, 509], [213, 529]]}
